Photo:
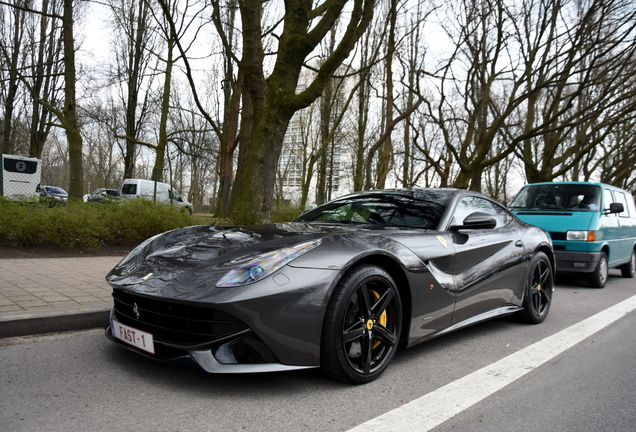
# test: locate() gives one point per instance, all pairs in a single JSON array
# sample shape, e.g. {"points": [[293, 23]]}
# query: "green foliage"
{"points": [[92, 226], [282, 212], [79, 225], [286, 213]]}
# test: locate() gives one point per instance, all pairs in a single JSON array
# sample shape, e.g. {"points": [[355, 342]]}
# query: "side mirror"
{"points": [[615, 208], [476, 220]]}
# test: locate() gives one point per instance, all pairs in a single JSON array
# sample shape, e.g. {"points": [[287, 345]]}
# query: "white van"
{"points": [[21, 177], [153, 191]]}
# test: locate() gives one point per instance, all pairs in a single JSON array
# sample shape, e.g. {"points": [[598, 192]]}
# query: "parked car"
{"points": [[153, 191], [340, 287], [53, 195], [103, 195], [592, 225]]}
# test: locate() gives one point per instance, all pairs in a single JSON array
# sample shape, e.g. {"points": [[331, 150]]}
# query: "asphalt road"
{"points": [[80, 381]]}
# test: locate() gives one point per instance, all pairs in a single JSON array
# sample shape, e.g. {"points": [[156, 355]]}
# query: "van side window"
{"points": [[620, 198], [129, 189], [607, 200]]}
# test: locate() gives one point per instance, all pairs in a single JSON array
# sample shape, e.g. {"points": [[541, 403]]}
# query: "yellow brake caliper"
{"points": [[382, 320]]}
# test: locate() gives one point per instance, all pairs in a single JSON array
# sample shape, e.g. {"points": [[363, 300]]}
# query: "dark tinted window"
{"points": [[20, 166], [419, 209], [129, 189]]}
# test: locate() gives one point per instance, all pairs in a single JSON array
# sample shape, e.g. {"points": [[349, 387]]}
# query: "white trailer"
{"points": [[21, 177]]}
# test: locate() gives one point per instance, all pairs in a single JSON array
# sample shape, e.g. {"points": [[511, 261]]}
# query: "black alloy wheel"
{"points": [[539, 288], [362, 326]]}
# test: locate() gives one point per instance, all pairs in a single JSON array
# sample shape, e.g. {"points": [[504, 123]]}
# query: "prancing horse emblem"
{"points": [[136, 311]]}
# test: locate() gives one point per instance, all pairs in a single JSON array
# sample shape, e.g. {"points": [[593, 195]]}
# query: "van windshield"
{"points": [[571, 197]]}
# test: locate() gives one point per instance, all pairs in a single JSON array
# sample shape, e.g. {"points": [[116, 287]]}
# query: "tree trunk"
{"points": [[274, 100], [75, 190], [162, 145], [254, 199], [386, 149]]}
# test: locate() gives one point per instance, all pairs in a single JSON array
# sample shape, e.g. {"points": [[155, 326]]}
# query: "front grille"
{"points": [[558, 235], [174, 323]]}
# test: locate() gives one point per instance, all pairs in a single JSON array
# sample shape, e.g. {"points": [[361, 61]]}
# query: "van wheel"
{"points": [[598, 278], [628, 270]]}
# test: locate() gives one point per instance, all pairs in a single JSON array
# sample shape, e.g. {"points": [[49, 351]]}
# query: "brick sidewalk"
{"points": [[46, 284]]}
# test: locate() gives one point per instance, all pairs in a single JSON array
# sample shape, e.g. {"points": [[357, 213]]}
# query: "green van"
{"points": [[592, 225]]}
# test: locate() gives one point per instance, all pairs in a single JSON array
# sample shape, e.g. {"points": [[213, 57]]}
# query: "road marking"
{"points": [[433, 409]]}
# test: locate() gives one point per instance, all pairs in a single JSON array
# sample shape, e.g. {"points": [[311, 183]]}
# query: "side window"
{"points": [[468, 205], [504, 215], [607, 200], [129, 189], [620, 198]]}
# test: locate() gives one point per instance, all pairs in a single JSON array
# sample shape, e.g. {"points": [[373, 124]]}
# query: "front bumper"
{"points": [[582, 262], [273, 325], [211, 357]]}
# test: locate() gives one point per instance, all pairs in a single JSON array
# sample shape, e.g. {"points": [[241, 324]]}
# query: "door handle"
{"points": [[519, 243]]}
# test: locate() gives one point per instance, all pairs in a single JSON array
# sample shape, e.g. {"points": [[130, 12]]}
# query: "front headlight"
{"points": [[581, 235], [264, 265]]}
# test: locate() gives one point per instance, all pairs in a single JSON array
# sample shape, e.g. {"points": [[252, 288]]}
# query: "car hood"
{"points": [[213, 250]]}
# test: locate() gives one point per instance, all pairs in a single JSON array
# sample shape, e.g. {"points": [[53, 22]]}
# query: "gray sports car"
{"points": [[341, 287]]}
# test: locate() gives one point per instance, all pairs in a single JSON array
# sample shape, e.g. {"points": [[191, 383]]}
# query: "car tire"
{"points": [[629, 269], [537, 297], [598, 278], [358, 342]]}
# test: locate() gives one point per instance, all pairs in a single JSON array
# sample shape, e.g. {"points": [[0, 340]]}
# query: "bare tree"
{"points": [[399, 98], [133, 57], [472, 109], [226, 129], [66, 115], [192, 136], [44, 72], [232, 95], [273, 99], [12, 29], [31, 50], [589, 88], [616, 167], [368, 55]]}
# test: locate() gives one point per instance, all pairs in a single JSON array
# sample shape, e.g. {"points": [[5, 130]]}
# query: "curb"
{"points": [[30, 323]]}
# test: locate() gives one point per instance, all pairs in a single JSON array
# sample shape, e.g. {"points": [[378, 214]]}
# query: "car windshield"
{"points": [[571, 197], [420, 209]]}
